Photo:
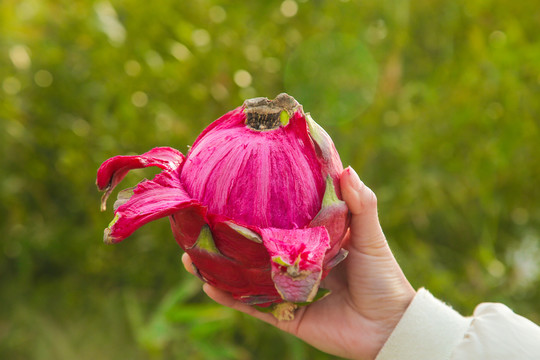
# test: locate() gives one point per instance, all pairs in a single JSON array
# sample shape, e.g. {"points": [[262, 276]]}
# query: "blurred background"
{"points": [[435, 103]]}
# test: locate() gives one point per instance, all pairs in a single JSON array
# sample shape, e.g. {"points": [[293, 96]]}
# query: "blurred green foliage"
{"points": [[435, 103]]}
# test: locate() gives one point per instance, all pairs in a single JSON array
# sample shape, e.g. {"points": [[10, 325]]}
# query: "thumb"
{"points": [[366, 233]]}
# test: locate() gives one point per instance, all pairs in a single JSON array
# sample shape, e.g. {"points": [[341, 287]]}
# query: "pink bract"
{"points": [[256, 203]]}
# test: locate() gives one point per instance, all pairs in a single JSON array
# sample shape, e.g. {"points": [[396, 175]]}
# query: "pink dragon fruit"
{"points": [[255, 203]]}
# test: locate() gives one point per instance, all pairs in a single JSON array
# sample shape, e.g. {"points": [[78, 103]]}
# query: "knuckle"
{"points": [[369, 199]]}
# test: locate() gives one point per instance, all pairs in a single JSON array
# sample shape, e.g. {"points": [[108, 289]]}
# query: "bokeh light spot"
{"points": [[496, 268], [272, 65], [219, 92], [164, 121], [200, 37], [376, 32], [109, 22], [217, 14], [20, 57], [139, 99], [132, 68], [43, 78], [11, 85], [180, 51], [154, 59], [497, 38], [242, 78], [80, 127], [247, 92], [253, 53], [289, 8]]}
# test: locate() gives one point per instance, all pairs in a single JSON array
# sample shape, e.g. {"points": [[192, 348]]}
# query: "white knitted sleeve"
{"points": [[430, 329], [497, 333]]}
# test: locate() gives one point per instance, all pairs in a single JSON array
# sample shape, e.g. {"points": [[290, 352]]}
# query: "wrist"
{"points": [[396, 310], [437, 325]]}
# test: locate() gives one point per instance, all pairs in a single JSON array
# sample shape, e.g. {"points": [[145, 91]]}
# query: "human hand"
{"points": [[369, 291]]}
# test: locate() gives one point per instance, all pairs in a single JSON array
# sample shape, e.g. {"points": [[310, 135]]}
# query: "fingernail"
{"points": [[356, 183]]}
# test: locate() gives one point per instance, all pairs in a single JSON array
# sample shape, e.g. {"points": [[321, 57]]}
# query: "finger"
{"points": [[188, 264], [366, 232], [225, 299]]}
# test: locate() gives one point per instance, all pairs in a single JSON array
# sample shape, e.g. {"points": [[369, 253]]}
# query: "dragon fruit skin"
{"points": [[256, 202]]}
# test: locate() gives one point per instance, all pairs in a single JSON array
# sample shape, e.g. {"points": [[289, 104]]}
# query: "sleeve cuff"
{"points": [[429, 329]]}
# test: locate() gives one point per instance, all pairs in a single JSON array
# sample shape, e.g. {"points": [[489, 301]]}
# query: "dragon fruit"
{"points": [[255, 203]]}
